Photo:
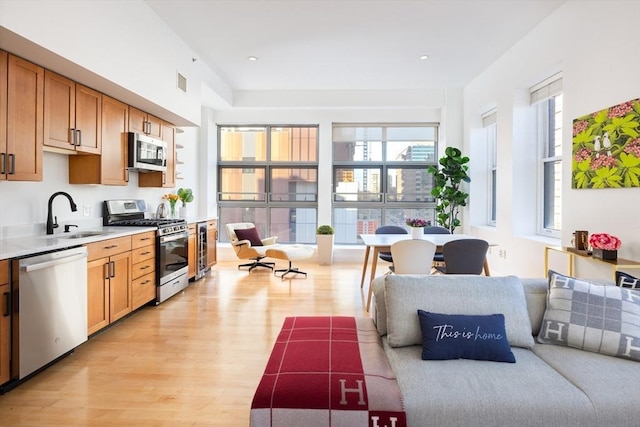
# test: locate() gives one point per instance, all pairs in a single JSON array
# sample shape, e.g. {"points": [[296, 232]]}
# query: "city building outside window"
{"points": [[380, 176], [268, 175]]}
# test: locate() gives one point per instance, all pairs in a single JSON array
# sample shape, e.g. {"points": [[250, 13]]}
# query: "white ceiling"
{"points": [[350, 44]]}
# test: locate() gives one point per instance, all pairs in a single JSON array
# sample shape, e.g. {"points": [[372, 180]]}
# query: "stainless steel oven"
{"points": [[171, 243], [171, 264]]}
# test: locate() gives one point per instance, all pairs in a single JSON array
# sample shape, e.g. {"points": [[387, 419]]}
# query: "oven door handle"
{"points": [[172, 237]]}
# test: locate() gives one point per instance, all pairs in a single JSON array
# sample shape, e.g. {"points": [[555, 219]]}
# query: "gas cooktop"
{"points": [[132, 213]]}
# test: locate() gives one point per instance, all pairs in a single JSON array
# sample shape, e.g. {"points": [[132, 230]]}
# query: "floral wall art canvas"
{"points": [[606, 148]]}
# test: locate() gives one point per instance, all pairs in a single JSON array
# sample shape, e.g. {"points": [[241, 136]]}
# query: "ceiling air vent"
{"points": [[182, 83]]}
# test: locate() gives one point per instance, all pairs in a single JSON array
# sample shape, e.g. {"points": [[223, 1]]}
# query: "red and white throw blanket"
{"points": [[328, 371]]}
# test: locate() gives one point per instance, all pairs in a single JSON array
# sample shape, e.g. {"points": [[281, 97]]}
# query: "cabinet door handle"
{"points": [[12, 169], [7, 300], [79, 137], [110, 247], [107, 270], [3, 163], [73, 136], [145, 282], [145, 253], [113, 269], [144, 267]]}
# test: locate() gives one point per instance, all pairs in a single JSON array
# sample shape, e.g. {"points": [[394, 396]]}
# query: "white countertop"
{"points": [[31, 245]]}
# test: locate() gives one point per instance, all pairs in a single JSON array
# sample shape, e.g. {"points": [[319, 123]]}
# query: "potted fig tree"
{"points": [[447, 187], [324, 239]]}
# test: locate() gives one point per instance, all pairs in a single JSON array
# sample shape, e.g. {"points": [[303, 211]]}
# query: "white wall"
{"points": [[121, 48], [596, 44]]}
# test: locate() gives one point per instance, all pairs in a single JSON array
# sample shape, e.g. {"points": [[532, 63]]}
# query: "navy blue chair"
{"points": [[389, 229], [464, 256]]}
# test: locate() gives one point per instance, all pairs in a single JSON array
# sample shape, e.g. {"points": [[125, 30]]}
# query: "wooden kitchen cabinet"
{"points": [[191, 251], [110, 167], [72, 115], [212, 237], [108, 281], [21, 122], [142, 122], [166, 179], [143, 271], [5, 321]]}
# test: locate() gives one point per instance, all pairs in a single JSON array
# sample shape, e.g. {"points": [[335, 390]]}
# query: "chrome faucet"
{"points": [[51, 224]]}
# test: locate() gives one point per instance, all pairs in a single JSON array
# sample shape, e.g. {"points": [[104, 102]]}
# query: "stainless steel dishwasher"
{"points": [[51, 308]]}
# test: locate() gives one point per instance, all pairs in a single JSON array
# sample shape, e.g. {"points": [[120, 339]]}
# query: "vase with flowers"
{"points": [[417, 226], [173, 199], [604, 246]]}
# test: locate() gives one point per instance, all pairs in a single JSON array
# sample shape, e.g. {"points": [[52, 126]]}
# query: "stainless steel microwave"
{"points": [[146, 153]]}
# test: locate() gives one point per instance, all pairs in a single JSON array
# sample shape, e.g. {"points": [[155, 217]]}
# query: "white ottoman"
{"points": [[290, 253]]}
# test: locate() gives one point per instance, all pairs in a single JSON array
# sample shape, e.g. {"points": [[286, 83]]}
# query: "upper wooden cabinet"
{"points": [[109, 168], [72, 115], [165, 179], [21, 123], [142, 122]]}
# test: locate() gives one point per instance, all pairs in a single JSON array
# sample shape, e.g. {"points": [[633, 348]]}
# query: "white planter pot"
{"points": [[325, 248], [417, 233], [182, 212]]}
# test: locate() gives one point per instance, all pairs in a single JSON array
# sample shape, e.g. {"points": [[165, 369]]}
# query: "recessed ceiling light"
{"points": [[252, 58], [424, 57]]}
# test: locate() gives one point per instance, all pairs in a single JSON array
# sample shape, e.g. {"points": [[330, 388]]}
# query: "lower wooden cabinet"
{"points": [[143, 259], [212, 237], [108, 282], [5, 321], [191, 251]]}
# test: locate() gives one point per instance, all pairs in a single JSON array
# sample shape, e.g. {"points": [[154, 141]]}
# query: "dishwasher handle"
{"points": [[7, 312], [46, 264]]}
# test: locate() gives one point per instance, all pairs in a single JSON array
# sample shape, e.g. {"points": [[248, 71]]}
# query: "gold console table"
{"points": [[615, 265]]}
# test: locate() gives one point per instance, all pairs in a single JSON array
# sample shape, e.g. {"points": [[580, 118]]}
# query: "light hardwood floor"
{"points": [[194, 360]]}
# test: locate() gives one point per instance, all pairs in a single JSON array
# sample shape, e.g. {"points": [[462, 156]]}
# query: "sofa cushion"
{"points": [[607, 381], [480, 393], [250, 234], [535, 292], [456, 336], [600, 318], [454, 294], [625, 280]]}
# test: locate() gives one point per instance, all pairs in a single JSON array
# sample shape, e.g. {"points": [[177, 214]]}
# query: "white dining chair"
{"points": [[412, 256]]}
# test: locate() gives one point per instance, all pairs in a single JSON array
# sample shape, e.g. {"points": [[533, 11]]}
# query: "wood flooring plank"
{"points": [[194, 360]]}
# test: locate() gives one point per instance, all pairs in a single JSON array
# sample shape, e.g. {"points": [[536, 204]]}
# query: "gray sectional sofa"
{"points": [[548, 385]]}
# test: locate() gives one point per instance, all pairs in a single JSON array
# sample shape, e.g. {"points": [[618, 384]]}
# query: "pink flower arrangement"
{"points": [[416, 222], [604, 241]]}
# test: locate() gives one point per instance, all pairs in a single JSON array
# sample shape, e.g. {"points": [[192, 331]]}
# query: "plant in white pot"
{"points": [[186, 196], [324, 238]]}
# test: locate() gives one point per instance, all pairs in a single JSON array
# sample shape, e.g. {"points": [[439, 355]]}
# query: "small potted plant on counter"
{"points": [[186, 196], [324, 238]]}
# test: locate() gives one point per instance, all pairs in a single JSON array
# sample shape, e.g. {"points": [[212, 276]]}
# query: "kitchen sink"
{"points": [[82, 234]]}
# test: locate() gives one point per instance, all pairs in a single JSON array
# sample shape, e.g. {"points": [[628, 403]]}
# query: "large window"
{"points": [[489, 122], [380, 176], [547, 100], [268, 175]]}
